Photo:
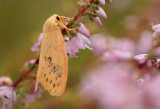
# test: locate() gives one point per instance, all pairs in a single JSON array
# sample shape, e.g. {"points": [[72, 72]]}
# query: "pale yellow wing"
{"points": [[53, 63]]}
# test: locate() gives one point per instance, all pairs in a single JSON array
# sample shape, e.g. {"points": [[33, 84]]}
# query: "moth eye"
{"points": [[57, 18]]}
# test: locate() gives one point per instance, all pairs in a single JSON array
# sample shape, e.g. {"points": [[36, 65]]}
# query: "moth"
{"points": [[53, 61]]}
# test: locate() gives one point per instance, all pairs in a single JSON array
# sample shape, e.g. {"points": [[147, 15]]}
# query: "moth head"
{"points": [[62, 21], [57, 18]]}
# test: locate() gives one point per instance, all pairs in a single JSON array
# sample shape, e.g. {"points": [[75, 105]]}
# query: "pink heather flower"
{"points": [[103, 2], [29, 62], [156, 51], [156, 28], [156, 38], [145, 42], [5, 81], [97, 21], [77, 42], [116, 55], [140, 82], [124, 45], [31, 97], [141, 58], [99, 43], [83, 30], [4, 108], [158, 60], [112, 87], [8, 96], [151, 90], [156, 34], [36, 46], [100, 12]]}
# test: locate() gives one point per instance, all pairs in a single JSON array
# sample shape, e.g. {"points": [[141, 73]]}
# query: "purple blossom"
{"points": [[156, 51], [100, 12], [36, 46], [156, 34], [141, 58], [116, 55], [31, 97], [156, 38], [77, 42], [156, 28], [29, 62], [97, 21], [124, 45], [112, 87], [103, 2], [8, 96], [140, 82], [5, 81], [145, 43], [83, 30], [99, 43], [4, 108], [112, 49], [116, 85], [151, 93]]}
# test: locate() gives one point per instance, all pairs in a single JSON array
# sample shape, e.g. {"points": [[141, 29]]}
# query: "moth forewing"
{"points": [[53, 63]]}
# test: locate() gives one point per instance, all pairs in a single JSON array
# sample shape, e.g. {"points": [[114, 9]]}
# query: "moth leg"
{"points": [[63, 17], [74, 29], [64, 23], [66, 28], [63, 20]]}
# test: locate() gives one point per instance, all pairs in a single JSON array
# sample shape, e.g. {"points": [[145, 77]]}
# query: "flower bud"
{"points": [[83, 30], [156, 28], [5, 81], [141, 58], [103, 2], [100, 12], [97, 21]]}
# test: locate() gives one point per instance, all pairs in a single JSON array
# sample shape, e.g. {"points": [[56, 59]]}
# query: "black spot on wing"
{"points": [[46, 79], [49, 59], [50, 81], [54, 85], [58, 84], [44, 75]]}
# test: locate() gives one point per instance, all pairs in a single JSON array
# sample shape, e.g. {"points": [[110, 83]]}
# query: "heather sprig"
{"points": [[78, 40], [129, 77], [151, 59]]}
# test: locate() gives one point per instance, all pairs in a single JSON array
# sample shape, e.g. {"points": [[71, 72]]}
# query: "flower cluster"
{"points": [[156, 33], [79, 40], [7, 93], [114, 87], [120, 84], [112, 50], [150, 58], [32, 96]]}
